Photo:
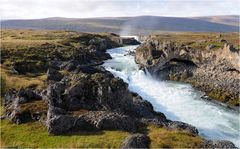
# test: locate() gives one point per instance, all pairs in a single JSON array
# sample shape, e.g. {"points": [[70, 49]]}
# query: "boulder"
{"points": [[106, 120], [114, 121], [28, 94], [136, 141], [60, 124], [129, 41], [59, 121], [182, 126], [21, 96], [218, 144], [54, 75]]}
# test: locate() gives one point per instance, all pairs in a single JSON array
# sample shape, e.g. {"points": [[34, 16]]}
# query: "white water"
{"points": [[176, 100]]}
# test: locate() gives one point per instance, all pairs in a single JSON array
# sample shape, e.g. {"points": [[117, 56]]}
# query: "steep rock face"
{"points": [[106, 101], [100, 101], [213, 71]]}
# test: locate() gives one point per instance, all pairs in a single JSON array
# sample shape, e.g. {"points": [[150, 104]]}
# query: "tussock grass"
{"points": [[35, 135], [13, 81], [34, 106], [164, 138], [200, 40]]}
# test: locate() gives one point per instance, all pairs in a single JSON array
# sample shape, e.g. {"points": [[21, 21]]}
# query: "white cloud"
{"points": [[19, 9]]}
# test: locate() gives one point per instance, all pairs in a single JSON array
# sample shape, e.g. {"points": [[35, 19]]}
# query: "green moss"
{"points": [[35, 135], [13, 81], [203, 45]]}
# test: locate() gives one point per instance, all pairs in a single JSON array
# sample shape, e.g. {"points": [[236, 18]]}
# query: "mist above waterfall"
{"points": [[139, 25]]}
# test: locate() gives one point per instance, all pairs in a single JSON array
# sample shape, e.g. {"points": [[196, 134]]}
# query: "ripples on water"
{"points": [[176, 100]]}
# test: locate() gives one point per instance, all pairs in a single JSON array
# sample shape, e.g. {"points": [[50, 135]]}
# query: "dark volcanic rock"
{"points": [[136, 141], [53, 94], [114, 105], [98, 91], [218, 144], [183, 126], [112, 121], [59, 121], [129, 41], [13, 102], [21, 96], [53, 74]]}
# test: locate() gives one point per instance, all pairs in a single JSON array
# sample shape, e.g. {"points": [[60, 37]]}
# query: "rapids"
{"points": [[177, 101]]}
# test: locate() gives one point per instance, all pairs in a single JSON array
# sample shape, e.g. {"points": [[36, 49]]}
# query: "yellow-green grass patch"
{"points": [[166, 138], [35, 135]]}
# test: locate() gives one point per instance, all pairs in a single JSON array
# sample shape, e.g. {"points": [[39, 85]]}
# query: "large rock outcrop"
{"points": [[215, 71], [100, 101], [107, 102]]}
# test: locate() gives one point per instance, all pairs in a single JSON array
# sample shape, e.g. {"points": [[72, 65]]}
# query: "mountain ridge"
{"points": [[129, 25]]}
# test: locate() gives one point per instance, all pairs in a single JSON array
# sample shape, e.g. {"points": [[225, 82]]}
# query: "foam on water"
{"points": [[176, 100]]}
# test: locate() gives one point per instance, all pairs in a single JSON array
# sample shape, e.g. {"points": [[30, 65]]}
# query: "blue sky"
{"points": [[31, 9]]}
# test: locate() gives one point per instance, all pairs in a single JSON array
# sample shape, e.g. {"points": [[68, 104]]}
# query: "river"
{"points": [[177, 101]]}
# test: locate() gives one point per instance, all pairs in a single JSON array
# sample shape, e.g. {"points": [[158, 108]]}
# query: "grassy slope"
{"points": [[163, 138], [35, 134], [228, 19], [200, 40]]}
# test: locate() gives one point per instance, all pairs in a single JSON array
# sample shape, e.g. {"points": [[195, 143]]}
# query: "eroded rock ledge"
{"points": [[213, 70]]}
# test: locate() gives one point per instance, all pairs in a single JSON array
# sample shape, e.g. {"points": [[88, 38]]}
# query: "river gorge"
{"points": [[177, 101]]}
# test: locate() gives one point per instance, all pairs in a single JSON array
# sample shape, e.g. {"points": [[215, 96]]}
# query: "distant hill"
{"points": [[228, 20], [125, 25]]}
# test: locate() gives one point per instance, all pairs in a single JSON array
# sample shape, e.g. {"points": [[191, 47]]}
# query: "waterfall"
{"points": [[177, 101]]}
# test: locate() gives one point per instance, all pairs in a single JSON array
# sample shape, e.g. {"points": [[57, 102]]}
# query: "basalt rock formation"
{"points": [[215, 71], [102, 102], [16, 109]]}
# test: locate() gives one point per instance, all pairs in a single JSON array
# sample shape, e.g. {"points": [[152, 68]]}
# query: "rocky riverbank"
{"points": [[210, 65], [78, 94]]}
